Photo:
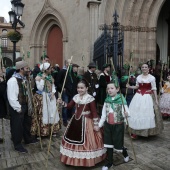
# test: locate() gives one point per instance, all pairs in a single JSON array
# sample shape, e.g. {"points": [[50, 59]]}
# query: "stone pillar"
{"points": [[94, 23]]}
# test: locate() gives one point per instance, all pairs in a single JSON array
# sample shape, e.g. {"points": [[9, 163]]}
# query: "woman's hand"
{"points": [[126, 114], [96, 128], [127, 85], [59, 101]]}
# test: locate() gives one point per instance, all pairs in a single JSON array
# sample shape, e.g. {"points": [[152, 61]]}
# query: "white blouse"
{"points": [[148, 79]]}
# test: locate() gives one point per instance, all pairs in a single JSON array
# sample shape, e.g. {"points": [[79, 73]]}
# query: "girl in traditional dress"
{"points": [[165, 99], [45, 103], [145, 118], [81, 144]]}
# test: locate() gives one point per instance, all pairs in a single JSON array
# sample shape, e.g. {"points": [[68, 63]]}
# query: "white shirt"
{"points": [[40, 86], [103, 117], [12, 94]]}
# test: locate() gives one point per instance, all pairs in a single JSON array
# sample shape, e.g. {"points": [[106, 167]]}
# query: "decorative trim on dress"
{"points": [[82, 135], [82, 154]]}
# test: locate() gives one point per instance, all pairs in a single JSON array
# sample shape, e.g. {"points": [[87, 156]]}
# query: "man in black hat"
{"points": [[91, 77], [18, 107], [70, 88], [104, 79]]}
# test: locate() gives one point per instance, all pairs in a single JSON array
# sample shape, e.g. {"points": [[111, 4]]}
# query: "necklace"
{"points": [[81, 113]]}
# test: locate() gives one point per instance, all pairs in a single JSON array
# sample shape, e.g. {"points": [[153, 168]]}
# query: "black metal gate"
{"points": [[110, 44]]}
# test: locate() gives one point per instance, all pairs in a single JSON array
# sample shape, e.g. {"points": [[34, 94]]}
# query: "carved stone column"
{"points": [[94, 23]]}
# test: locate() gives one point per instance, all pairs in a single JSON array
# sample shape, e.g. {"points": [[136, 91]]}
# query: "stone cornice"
{"points": [[138, 28], [89, 3], [130, 28]]}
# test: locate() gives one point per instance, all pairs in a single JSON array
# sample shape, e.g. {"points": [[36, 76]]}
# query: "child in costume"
{"points": [[164, 103], [81, 144], [113, 117]]}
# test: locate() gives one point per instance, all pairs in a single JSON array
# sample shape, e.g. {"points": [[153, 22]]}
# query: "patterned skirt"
{"points": [[45, 129], [164, 104], [81, 145]]}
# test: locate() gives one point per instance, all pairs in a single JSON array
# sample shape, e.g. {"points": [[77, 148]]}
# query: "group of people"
{"points": [[89, 105]]}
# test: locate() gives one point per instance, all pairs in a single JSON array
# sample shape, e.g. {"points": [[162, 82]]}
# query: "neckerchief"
{"points": [[70, 73], [17, 75], [48, 77], [24, 82], [124, 78], [116, 100]]}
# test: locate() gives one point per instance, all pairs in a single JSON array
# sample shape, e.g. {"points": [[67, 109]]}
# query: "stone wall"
{"points": [[79, 21]]}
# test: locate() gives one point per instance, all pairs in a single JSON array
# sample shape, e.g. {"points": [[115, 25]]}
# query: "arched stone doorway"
{"points": [[48, 23], [55, 46], [163, 33]]}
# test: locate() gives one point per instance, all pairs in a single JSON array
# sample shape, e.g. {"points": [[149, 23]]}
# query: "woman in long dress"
{"points": [[145, 118], [81, 144], [45, 103], [164, 103]]}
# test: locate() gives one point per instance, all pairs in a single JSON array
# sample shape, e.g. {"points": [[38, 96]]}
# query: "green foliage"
{"points": [[14, 36]]}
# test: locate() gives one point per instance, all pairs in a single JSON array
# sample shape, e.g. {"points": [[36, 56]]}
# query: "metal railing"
{"points": [[10, 49]]}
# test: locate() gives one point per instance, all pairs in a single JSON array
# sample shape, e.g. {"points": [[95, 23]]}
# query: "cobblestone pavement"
{"points": [[152, 153]]}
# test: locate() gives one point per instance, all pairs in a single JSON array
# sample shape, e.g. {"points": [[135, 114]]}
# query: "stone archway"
{"points": [[139, 20], [163, 31], [48, 18]]}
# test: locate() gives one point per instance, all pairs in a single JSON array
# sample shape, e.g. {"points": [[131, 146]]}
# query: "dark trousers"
{"points": [[66, 113], [20, 126]]}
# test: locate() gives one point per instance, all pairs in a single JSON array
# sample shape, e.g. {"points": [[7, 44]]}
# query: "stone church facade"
{"points": [[65, 28]]}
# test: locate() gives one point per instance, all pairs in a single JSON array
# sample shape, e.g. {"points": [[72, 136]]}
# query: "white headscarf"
{"points": [[44, 66]]}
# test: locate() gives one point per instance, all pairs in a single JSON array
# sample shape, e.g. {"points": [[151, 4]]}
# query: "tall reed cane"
{"points": [[49, 146], [36, 119], [125, 117], [160, 85], [131, 55]]}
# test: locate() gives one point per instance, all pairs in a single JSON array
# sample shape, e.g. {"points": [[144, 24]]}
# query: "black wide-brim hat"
{"points": [[75, 65], [106, 65], [93, 65]]}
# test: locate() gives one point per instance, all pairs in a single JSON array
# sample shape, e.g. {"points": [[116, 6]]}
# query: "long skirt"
{"points": [[81, 145], [145, 117], [164, 104], [45, 129]]}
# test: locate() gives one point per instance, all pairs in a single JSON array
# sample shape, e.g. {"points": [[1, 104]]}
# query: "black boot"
{"points": [[125, 154]]}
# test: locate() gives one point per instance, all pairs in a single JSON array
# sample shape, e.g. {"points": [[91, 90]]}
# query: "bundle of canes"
{"points": [[131, 55], [35, 112], [49, 146], [1, 67], [125, 116], [160, 85]]}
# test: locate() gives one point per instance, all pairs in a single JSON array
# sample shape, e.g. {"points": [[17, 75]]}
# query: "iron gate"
{"points": [[110, 44]]}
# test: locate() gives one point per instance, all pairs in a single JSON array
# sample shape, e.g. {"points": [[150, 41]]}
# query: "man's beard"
{"points": [[26, 73]]}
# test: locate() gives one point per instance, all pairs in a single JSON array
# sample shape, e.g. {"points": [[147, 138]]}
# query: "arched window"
{"points": [[4, 39]]}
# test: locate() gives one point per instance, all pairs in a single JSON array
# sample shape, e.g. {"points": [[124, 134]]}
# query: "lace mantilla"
{"points": [[82, 154], [85, 100]]}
